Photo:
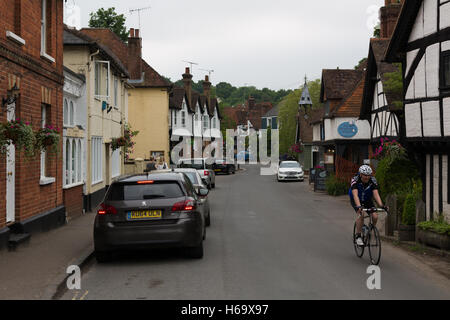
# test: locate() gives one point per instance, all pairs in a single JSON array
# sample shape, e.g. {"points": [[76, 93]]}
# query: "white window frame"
{"points": [[44, 180], [97, 160], [72, 113], [115, 163], [175, 118], [183, 119], [44, 27], [116, 91], [72, 163], [66, 112], [98, 79]]}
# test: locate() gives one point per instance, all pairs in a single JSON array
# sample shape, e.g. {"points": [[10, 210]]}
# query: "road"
{"points": [[267, 240]]}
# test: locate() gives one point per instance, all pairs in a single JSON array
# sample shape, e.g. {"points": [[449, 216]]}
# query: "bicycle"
{"points": [[370, 237]]}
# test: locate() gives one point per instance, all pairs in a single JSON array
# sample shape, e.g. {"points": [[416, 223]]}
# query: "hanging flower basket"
{"points": [[47, 139], [18, 133]]}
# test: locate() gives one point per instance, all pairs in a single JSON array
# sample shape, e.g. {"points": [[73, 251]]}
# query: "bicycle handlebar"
{"points": [[374, 210]]}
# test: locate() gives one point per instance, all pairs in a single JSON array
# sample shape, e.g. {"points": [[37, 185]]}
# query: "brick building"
{"points": [[31, 63]]}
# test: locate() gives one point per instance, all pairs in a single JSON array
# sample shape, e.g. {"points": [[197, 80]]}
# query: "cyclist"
{"points": [[364, 188]]}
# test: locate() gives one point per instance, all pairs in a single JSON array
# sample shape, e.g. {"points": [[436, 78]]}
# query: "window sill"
{"points": [[69, 186], [46, 181], [14, 37], [96, 182], [47, 57]]}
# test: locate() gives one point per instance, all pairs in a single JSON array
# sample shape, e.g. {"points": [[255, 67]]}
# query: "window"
{"points": [[72, 162], [269, 123], [175, 117], [102, 76], [115, 163], [214, 122], [67, 164], [66, 112], [183, 119], [196, 117], [44, 27], [97, 160], [445, 70], [43, 153], [72, 114], [205, 122], [79, 161], [116, 83]]}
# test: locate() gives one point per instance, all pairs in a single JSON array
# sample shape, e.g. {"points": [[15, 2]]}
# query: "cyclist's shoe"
{"points": [[359, 242]]}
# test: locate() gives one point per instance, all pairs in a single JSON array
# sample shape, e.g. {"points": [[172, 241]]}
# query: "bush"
{"points": [[336, 187], [440, 226], [409, 210]]}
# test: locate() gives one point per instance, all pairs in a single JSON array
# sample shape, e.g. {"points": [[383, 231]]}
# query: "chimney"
{"points": [[207, 88], [187, 81], [135, 55], [388, 17], [251, 104]]}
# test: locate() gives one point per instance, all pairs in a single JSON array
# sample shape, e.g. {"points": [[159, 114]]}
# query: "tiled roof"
{"points": [[176, 97], [77, 38], [272, 112], [215, 104], [337, 83], [241, 114], [351, 105], [152, 79], [195, 98]]}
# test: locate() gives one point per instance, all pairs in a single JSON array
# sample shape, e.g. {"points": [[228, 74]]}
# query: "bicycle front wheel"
{"points": [[359, 250], [374, 244]]}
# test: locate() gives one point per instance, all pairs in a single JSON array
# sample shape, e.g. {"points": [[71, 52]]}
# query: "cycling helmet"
{"points": [[365, 169]]}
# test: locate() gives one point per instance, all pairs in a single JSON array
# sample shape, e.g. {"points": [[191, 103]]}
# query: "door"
{"points": [[11, 173]]}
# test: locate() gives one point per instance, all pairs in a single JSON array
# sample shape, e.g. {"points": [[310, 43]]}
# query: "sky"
{"points": [[261, 43]]}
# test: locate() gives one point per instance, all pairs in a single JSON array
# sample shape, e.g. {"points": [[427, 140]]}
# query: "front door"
{"points": [[11, 173]]}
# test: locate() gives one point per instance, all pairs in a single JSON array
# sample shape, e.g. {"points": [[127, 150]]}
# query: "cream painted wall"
{"points": [[99, 123], [148, 112]]}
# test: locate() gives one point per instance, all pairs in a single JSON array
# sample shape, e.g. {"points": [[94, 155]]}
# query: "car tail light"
{"points": [[146, 182], [206, 173], [106, 209], [188, 205]]}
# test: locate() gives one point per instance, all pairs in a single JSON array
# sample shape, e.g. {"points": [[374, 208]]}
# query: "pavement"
{"points": [[37, 270]]}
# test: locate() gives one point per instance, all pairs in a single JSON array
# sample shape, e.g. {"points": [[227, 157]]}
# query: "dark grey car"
{"points": [[150, 211]]}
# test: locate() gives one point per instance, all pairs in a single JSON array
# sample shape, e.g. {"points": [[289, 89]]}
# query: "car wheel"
{"points": [[208, 220], [234, 170], [195, 252], [103, 256]]}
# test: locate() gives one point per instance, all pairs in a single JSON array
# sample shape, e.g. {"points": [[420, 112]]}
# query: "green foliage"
{"points": [[409, 210], [394, 86], [108, 18], [335, 186], [360, 63], [20, 134], [440, 226], [47, 139], [288, 110], [377, 31]]}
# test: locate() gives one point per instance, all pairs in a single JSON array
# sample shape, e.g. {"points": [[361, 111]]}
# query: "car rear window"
{"points": [[156, 190], [192, 176], [192, 164]]}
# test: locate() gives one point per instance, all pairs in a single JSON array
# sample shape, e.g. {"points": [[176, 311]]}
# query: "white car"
{"points": [[290, 170]]}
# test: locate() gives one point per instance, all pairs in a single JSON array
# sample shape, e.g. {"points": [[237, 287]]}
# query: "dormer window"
{"points": [[183, 119]]}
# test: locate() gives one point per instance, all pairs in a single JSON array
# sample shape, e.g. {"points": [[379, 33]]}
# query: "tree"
{"points": [[108, 18], [288, 109]]}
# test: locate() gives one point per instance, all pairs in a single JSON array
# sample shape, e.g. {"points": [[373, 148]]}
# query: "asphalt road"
{"points": [[267, 240]]}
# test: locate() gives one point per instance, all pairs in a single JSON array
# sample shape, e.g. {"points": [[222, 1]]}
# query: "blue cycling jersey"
{"points": [[365, 191]]}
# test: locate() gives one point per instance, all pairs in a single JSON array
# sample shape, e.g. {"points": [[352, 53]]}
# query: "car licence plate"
{"points": [[217, 170], [146, 214]]}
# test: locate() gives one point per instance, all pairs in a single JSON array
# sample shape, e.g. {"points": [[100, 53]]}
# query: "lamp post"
{"points": [[12, 96]]}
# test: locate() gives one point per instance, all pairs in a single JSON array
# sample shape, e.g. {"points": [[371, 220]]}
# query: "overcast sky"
{"points": [[261, 43]]}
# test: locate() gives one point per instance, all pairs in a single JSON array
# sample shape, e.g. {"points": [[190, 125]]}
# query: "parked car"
{"points": [[290, 170], [221, 166], [197, 181], [159, 210], [204, 169]]}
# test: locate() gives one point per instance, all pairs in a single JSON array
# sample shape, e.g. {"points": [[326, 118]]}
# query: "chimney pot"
{"points": [[207, 78], [131, 32], [187, 70], [136, 34]]}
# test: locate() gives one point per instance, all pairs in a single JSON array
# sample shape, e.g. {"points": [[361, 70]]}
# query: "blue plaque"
{"points": [[348, 130]]}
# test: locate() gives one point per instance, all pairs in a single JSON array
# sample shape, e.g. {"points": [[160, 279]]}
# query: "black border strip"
{"points": [[441, 207], [431, 205]]}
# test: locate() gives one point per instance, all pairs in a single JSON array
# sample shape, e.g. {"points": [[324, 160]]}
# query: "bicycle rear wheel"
{"points": [[374, 244], [359, 250]]}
